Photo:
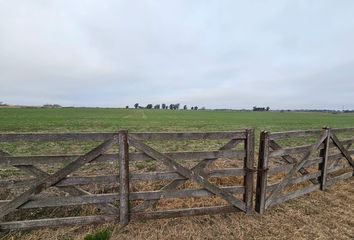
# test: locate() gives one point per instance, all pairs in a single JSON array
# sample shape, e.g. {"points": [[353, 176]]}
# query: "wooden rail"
{"points": [[116, 206], [302, 169]]}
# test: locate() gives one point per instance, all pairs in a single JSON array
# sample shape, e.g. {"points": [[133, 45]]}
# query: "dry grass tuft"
{"points": [[320, 215]]}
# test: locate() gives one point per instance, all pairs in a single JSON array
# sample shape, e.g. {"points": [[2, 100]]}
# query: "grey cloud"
{"points": [[285, 54]]}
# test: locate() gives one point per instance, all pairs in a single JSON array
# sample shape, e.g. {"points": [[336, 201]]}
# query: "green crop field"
{"points": [[107, 120], [323, 215]]}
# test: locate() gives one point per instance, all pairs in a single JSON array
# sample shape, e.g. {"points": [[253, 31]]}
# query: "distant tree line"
{"points": [[51, 106], [165, 106], [261, 109]]}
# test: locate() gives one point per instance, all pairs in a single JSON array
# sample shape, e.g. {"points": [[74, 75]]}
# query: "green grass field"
{"points": [[108, 120], [307, 217]]}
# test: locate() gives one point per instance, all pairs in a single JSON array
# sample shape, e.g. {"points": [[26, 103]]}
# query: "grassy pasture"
{"points": [[324, 215], [106, 120]]}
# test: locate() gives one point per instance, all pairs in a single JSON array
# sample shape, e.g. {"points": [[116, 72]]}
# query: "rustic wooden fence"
{"points": [[119, 177], [288, 172], [62, 183]]}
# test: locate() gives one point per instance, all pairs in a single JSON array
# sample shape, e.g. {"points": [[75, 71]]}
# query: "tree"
{"points": [[176, 106], [163, 106], [157, 106], [259, 109], [192, 108], [149, 106], [267, 109], [172, 106], [195, 108], [185, 107], [126, 107], [136, 105]]}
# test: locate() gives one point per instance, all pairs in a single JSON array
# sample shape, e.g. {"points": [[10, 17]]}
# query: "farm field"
{"points": [[107, 120], [323, 215]]}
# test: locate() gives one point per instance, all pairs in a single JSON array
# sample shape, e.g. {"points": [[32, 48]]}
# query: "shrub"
{"points": [[100, 235]]}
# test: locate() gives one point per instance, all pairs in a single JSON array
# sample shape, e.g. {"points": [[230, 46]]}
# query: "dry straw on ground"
{"points": [[319, 215]]}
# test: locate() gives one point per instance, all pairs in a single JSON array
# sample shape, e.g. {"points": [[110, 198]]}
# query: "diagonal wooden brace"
{"points": [[56, 177], [187, 173], [294, 170], [344, 151], [199, 168], [289, 159], [336, 162], [72, 190]]}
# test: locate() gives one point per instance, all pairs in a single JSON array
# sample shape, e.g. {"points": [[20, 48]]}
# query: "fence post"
{"points": [[249, 166], [123, 177], [324, 153], [262, 172]]}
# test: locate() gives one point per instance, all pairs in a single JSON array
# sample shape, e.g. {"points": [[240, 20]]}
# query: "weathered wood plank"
{"points": [[114, 179], [199, 169], [51, 159], [249, 166], [306, 177], [55, 137], [342, 130], [185, 193], [341, 177], [302, 149], [295, 134], [56, 222], [72, 190], [188, 173], [239, 154], [295, 169], [298, 180], [124, 177], [290, 159], [225, 172], [262, 174], [183, 212], [42, 202], [188, 136], [337, 168], [344, 151], [294, 194], [56, 177], [291, 150], [157, 176], [65, 159], [350, 151], [309, 163], [324, 165]]}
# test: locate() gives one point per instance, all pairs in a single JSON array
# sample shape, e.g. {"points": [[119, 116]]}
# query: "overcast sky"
{"points": [[217, 54]]}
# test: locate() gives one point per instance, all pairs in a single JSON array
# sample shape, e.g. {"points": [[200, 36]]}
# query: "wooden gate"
{"points": [[50, 184], [171, 183], [288, 172], [107, 180]]}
